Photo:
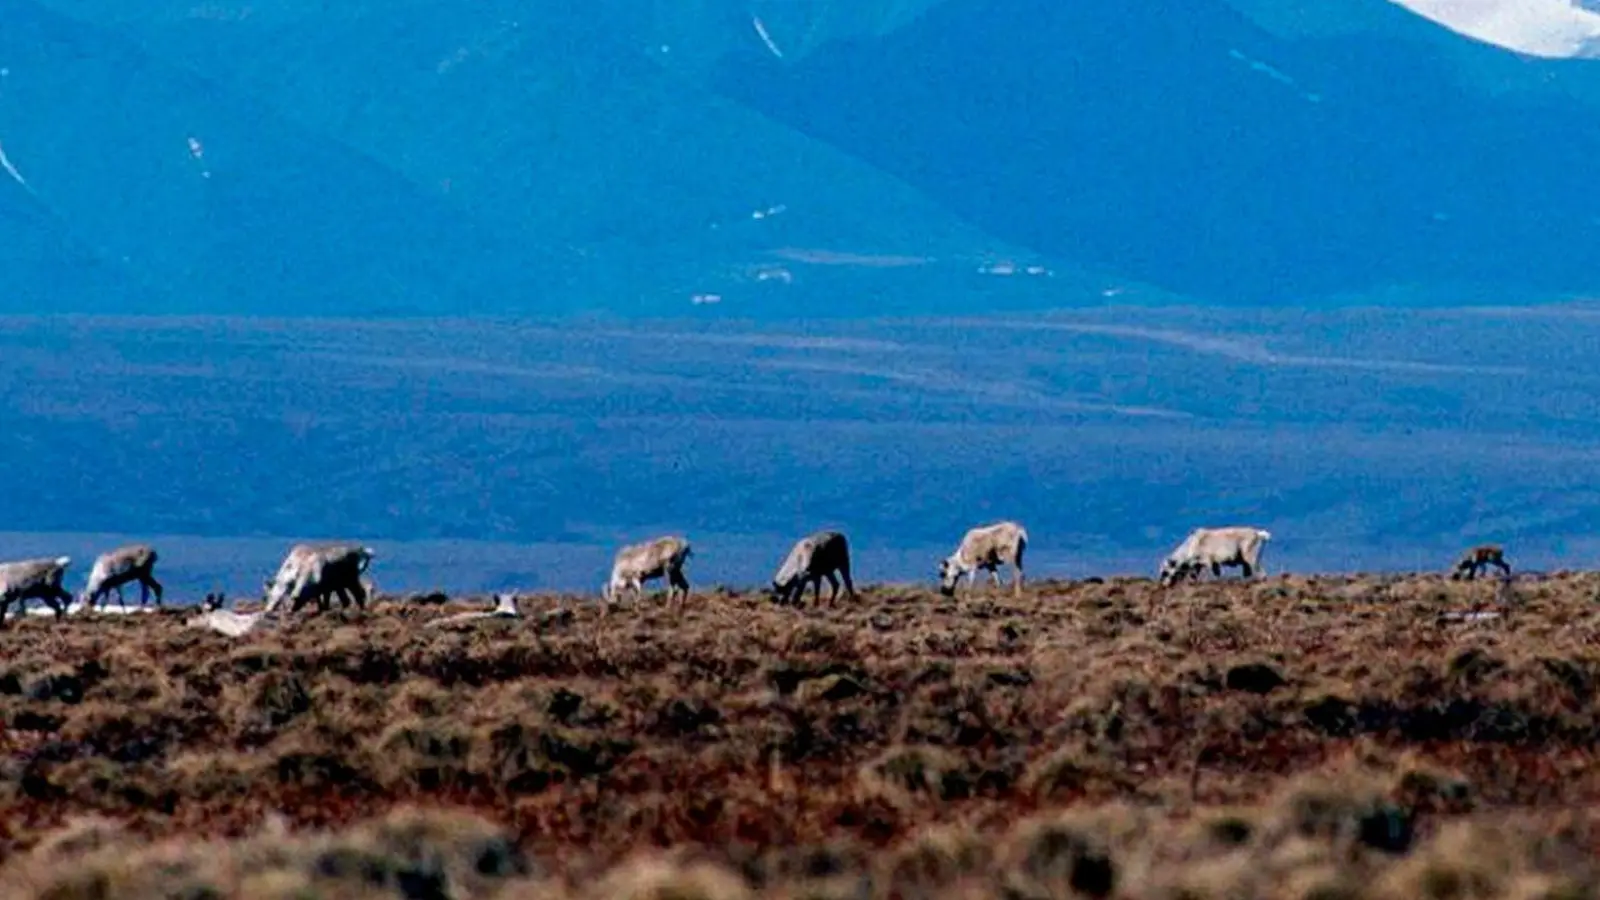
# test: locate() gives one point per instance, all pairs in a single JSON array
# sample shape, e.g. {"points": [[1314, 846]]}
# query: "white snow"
{"points": [[198, 152], [1275, 74], [1553, 28], [1007, 267], [5, 161], [6, 164], [766, 38], [76, 608]]}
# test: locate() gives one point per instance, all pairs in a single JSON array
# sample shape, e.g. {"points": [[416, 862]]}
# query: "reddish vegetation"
{"points": [[1175, 730]]}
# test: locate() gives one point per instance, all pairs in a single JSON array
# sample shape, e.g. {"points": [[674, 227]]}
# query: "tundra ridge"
{"points": [[1360, 734]]}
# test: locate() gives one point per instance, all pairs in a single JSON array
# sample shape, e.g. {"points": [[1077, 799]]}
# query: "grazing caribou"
{"points": [[34, 579], [637, 563], [317, 572], [815, 557], [1479, 558], [985, 548], [121, 566], [1214, 548]]}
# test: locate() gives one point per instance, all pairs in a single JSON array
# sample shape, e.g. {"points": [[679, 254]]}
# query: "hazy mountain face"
{"points": [[823, 157], [419, 157], [1206, 154]]}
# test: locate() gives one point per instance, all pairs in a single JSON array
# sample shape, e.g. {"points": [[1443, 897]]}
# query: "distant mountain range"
{"points": [[769, 158]]}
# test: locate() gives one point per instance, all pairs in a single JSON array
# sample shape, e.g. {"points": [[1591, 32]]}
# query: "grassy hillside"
{"points": [[1339, 736]]}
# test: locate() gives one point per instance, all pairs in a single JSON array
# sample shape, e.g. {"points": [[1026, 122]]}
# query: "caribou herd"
{"points": [[319, 573]]}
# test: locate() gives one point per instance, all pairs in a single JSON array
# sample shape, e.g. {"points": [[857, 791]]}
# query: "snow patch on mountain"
{"points": [[1275, 74], [1551, 28], [10, 169]]}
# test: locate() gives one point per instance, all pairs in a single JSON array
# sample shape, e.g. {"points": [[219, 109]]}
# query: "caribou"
{"points": [[318, 572], [983, 548], [1476, 559], [34, 579], [115, 568], [825, 554], [637, 563], [1214, 548]]}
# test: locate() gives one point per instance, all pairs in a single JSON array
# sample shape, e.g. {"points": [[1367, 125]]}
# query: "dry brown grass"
{"points": [[1329, 737]]}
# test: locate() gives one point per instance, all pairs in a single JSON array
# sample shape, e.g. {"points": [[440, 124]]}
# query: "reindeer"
{"points": [[118, 567], [505, 607], [637, 563], [814, 558], [1478, 558], [214, 617], [1213, 548], [985, 548], [317, 572], [34, 579]]}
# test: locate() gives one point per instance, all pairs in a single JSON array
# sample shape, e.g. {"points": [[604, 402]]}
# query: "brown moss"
{"points": [[910, 775], [1318, 729], [1076, 771], [657, 879]]}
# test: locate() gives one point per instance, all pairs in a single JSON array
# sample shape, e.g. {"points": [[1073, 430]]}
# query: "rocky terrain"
{"points": [[1342, 734]]}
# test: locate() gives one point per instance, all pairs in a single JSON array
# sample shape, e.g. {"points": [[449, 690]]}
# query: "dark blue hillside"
{"points": [[426, 156], [266, 217], [1185, 145], [42, 263], [538, 157]]}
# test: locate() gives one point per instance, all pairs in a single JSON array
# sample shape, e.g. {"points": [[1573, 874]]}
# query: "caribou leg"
{"points": [[149, 582]]}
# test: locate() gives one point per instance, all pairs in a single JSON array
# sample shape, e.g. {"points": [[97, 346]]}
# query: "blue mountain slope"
{"points": [[42, 264], [551, 129], [1188, 146], [621, 156], [215, 202]]}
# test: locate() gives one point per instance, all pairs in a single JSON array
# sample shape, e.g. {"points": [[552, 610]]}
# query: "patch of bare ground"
{"points": [[1306, 737]]}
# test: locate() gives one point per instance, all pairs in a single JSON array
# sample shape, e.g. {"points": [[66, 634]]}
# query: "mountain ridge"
{"points": [[1208, 155], [624, 170], [512, 158]]}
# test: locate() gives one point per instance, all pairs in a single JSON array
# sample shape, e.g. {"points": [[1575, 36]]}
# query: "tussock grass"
{"points": [[1297, 736]]}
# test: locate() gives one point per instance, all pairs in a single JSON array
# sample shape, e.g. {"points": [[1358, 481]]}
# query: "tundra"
{"points": [[814, 558], [1213, 548], [34, 579], [118, 567], [986, 547], [1478, 558], [637, 563], [317, 572]]}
